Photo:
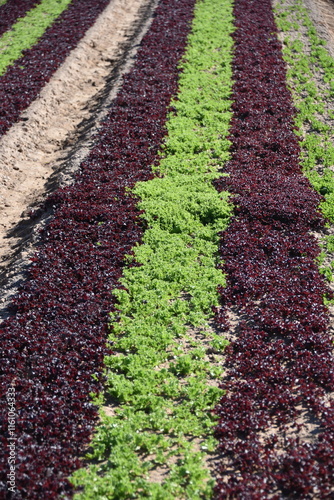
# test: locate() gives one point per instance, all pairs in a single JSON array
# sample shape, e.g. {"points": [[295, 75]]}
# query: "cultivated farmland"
{"points": [[167, 200]]}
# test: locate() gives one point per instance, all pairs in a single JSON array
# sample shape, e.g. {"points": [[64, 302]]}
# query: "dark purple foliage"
{"points": [[12, 10], [55, 341], [23, 81], [281, 363]]}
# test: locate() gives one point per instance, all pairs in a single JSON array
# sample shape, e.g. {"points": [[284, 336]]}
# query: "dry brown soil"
{"points": [[32, 149], [42, 151]]}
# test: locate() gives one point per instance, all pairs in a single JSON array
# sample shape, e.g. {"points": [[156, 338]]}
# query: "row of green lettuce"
{"points": [[310, 76], [155, 435], [27, 30]]}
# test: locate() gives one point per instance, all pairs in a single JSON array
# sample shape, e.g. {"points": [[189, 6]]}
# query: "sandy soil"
{"points": [[322, 14], [43, 150], [36, 150]]}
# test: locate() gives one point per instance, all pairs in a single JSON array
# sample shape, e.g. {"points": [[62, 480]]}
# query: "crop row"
{"points": [[54, 343], [26, 76], [156, 431], [310, 76], [281, 363], [28, 30], [11, 10]]}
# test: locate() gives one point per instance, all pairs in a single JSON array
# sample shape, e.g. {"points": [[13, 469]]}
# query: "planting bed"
{"points": [[281, 363], [171, 335]]}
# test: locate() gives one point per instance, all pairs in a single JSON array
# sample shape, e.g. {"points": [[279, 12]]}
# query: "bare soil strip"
{"points": [[322, 15], [44, 148]]}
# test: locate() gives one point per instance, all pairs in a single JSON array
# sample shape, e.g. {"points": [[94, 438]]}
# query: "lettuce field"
{"points": [[167, 292]]}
